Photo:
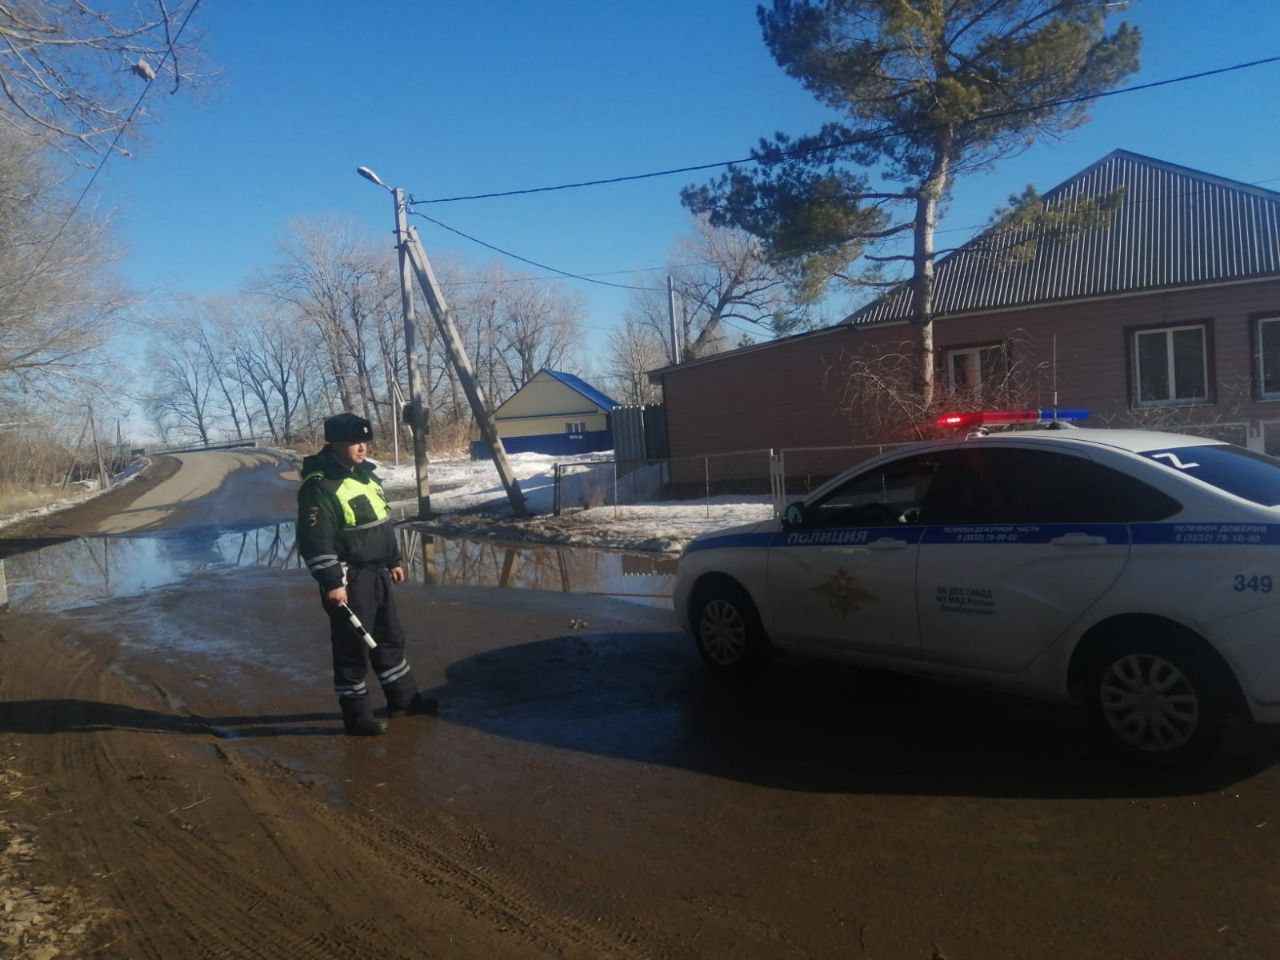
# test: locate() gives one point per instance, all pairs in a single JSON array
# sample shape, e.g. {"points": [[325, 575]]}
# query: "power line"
{"points": [[854, 141], [590, 277], [534, 263], [597, 273]]}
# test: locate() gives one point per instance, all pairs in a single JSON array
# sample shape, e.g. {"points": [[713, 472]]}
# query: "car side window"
{"points": [[1010, 485], [891, 494]]}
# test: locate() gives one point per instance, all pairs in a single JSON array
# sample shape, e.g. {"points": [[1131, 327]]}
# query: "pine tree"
{"points": [[927, 91]]}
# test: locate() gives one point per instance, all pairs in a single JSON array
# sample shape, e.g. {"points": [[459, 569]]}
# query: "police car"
{"points": [[1136, 572]]}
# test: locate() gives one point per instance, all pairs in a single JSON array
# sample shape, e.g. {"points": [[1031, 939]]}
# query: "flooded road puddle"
{"points": [[92, 570]]}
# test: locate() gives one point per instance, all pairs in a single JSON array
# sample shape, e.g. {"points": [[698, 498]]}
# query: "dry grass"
{"points": [[16, 499]]}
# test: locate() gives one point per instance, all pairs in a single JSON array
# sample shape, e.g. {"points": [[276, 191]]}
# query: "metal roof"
{"points": [[584, 388], [1176, 227]]}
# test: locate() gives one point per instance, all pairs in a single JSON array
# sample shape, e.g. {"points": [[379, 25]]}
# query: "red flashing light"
{"points": [[988, 417]]}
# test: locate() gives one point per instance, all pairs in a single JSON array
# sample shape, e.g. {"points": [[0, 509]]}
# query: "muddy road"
{"points": [[174, 783]]}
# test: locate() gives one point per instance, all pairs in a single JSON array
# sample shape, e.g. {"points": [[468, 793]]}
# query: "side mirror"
{"points": [[793, 516]]}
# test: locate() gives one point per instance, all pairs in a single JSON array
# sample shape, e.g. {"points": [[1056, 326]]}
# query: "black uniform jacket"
{"points": [[325, 537]]}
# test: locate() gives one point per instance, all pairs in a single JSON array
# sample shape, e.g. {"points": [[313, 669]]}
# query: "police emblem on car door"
{"points": [[845, 575]]}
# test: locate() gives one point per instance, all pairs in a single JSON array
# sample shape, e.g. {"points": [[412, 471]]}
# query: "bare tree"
{"points": [[720, 276], [270, 358], [58, 307], [634, 349], [723, 277], [70, 70], [880, 394], [539, 327], [342, 287], [182, 390]]}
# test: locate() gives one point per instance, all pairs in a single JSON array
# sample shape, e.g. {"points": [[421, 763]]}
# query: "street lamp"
{"points": [[417, 411], [371, 177]]}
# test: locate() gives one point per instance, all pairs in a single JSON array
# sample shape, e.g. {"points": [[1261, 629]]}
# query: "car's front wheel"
{"points": [[1161, 703], [727, 629]]}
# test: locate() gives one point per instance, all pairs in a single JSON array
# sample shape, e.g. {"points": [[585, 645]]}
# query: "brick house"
{"points": [[1167, 316]]}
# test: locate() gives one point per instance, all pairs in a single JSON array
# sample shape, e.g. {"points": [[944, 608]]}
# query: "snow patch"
{"points": [[467, 496]]}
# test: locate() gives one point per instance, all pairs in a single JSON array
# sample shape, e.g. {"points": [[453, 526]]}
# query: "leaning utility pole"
{"points": [[462, 364], [413, 255], [417, 412]]}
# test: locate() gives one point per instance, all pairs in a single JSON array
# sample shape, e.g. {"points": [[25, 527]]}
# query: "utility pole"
{"points": [[97, 449], [413, 255], [417, 413], [671, 316], [462, 363]]}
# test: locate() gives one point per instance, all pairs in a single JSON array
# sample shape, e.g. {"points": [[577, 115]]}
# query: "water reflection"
{"points": [[87, 571], [643, 578]]}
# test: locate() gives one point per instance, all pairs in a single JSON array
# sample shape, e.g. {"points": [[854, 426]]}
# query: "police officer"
{"points": [[346, 537]]}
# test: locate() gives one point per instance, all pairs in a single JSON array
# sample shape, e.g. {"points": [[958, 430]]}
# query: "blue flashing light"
{"points": [[1049, 415]]}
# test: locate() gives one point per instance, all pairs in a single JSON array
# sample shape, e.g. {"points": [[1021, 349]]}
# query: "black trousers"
{"points": [[370, 598]]}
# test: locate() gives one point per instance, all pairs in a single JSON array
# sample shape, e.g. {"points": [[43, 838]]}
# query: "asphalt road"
{"points": [[586, 791]]}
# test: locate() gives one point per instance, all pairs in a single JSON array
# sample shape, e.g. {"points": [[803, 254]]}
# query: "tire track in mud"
{"points": [[174, 892], [445, 863], [196, 847]]}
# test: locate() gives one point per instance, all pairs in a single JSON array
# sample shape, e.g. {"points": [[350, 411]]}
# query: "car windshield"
{"points": [[1254, 476]]}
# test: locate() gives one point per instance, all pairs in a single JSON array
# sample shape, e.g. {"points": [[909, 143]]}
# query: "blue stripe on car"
{"points": [[1139, 534]]}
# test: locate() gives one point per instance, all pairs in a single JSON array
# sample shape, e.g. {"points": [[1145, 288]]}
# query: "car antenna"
{"points": [[1055, 377]]}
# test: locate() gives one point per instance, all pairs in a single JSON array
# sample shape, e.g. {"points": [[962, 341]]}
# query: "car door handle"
{"points": [[1078, 540], [887, 543]]}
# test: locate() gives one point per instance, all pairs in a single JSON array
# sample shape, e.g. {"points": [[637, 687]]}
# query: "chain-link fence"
{"points": [[798, 471], [740, 487], [730, 486]]}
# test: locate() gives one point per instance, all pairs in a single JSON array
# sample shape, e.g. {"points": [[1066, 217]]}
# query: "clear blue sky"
{"points": [[459, 98]]}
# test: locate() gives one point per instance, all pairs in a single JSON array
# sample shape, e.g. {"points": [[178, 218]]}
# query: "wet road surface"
{"points": [[586, 791]]}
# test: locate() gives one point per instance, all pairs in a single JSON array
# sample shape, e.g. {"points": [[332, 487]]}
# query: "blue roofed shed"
{"points": [[554, 413]]}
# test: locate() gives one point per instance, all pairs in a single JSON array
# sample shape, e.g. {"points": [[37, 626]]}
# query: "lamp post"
{"points": [[416, 413]]}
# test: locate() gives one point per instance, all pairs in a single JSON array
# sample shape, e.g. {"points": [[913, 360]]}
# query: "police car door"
{"points": [[1020, 542], [846, 576]]}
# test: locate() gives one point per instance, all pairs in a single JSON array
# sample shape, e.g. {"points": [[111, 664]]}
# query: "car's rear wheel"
{"points": [[727, 629], [1161, 703]]}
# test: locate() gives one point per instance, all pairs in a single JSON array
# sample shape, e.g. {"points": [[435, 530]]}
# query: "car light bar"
{"points": [[987, 418]]}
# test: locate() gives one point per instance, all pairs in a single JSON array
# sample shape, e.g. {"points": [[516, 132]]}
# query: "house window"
{"points": [[1172, 365], [970, 368], [1269, 357], [576, 427]]}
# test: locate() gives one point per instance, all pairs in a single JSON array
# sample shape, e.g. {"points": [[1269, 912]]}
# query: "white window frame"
{"points": [[977, 352], [1263, 393], [575, 426], [1168, 332]]}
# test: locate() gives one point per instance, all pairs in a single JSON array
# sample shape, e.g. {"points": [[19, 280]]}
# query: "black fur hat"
{"points": [[347, 428]]}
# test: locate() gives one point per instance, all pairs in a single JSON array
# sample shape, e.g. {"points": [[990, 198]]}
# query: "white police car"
{"points": [[1138, 572]]}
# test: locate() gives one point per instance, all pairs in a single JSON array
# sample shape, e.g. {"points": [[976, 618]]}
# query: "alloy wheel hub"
{"points": [[1149, 703]]}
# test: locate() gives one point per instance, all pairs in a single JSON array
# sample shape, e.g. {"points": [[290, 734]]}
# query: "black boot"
{"points": [[403, 698], [417, 706], [358, 720]]}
